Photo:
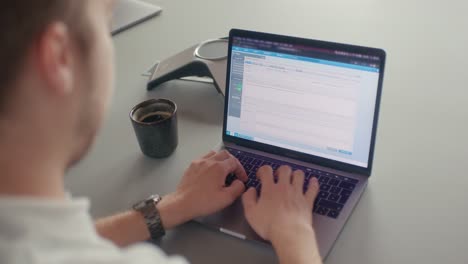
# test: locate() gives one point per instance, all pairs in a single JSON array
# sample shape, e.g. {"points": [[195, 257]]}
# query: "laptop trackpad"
{"points": [[231, 221]]}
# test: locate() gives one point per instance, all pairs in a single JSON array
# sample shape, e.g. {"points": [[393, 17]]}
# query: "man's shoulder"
{"points": [[39, 231]]}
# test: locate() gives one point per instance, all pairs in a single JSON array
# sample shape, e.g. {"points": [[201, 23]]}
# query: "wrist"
{"points": [[172, 211], [281, 233], [296, 245], [291, 235]]}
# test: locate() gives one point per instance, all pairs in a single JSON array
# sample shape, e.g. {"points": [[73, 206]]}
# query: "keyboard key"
{"points": [[334, 182], [333, 197], [343, 199], [345, 192], [248, 167], [299, 168], [255, 184], [350, 180], [333, 214], [330, 205], [314, 171], [323, 179], [279, 165], [347, 185], [324, 187], [275, 166], [321, 210], [335, 190], [323, 195], [338, 177]]}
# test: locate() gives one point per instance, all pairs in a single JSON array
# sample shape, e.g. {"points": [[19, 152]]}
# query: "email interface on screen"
{"points": [[306, 99]]}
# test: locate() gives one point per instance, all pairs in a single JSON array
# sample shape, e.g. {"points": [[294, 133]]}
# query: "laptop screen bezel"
{"points": [[291, 153]]}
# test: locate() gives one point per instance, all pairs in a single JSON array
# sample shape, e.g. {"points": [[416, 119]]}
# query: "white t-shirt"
{"points": [[35, 231]]}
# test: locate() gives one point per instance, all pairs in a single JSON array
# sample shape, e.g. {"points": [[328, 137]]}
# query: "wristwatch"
{"points": [[149, 211]]}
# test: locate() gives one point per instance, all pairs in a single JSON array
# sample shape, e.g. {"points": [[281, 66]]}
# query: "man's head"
{"points": [[56, 72]]}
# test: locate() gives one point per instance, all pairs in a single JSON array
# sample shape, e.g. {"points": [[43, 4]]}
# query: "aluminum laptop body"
{"points": [[310, 104], [129, 13]]}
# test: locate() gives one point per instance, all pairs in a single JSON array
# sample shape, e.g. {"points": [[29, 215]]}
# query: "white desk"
{"points": [[415, 208]]}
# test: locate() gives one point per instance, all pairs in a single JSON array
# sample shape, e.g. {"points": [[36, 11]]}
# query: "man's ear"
{"points": [[54, 58]]}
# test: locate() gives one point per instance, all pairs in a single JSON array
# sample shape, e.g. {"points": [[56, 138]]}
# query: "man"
{"points": [[56, 72]]}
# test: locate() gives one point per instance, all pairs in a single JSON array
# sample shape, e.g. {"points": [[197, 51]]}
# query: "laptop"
{"points": [[309, 104], [129, 13]]}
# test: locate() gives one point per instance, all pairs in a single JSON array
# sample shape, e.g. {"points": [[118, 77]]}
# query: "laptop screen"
{"points": [[307, 99]]}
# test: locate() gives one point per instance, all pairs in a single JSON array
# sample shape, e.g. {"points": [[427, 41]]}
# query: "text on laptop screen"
{"points": [[315, 101]]}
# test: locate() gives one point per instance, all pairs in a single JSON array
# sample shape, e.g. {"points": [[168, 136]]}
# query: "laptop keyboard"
{"points": [[334, 189]]}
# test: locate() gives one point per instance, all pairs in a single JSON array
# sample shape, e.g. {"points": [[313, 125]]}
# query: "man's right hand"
{"points": [[283, 214]]}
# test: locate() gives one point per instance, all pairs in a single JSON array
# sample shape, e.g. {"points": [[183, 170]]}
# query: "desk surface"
{"points": [[415, 207]]}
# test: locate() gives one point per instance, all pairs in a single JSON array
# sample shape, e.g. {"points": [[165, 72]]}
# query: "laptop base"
{"points": [[231, 220]]}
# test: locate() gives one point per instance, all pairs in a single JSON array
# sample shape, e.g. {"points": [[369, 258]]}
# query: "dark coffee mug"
{"points": [[155, 124]]}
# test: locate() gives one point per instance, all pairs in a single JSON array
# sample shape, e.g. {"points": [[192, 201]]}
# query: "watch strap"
{"points": [[151, 215]]}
